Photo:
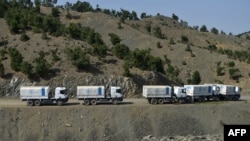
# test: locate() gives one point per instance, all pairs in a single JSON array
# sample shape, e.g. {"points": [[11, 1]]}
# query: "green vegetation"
{"points": [[158, 45], [26, 68], [234, 73], [196, 78], [2, 53], [203, 28], [214, 30], [42, 67], [184, 39], [54, 56], [1, 70], [143, 60], [78, 57], [158, 33], [114, 38], [171, 41], [175, 17], [16, 59], [24, 37], [219, 69], [121, 51]]}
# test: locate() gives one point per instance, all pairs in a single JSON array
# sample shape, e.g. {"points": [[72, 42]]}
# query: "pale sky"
{"points": [[227, 15]]}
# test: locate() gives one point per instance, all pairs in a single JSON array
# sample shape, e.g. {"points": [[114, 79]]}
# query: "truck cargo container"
{"points": [[159, 94], [96, 94], [38, 95], [199, 92], [228, 92]]}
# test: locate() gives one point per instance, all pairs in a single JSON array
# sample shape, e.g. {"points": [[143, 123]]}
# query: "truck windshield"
{"points": [[63, 91], [118, 91], [183, 90]]}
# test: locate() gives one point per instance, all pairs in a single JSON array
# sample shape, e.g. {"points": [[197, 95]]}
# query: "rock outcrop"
{"points": [[131, 86]]}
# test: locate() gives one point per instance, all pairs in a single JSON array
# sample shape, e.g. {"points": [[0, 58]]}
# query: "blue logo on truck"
{"points": [[209, 89], [43, 91], [99, 91], [167, 91]]}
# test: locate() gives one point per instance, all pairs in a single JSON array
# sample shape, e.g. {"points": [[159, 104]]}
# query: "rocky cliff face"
{"points": [[131, 86]]}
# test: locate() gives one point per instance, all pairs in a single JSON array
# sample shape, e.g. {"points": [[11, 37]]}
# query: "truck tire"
{"points": [[115, 101], [30, 103], [160, 101], [87, 102], [93, 102], [153, 101], [59, 103], [37, 103]]}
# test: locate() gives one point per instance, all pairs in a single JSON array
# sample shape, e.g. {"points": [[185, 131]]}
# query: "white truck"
{"points": [[159, 94], [199, 92], [96, 94], [38, 95], [228, 92]]}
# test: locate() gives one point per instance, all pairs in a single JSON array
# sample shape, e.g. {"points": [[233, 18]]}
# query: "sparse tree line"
{"points": [[24, 15]]}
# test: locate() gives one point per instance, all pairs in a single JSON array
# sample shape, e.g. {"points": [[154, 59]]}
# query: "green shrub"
{"points": [[42, 67], [24, 37], [114, 38], [26, 68], [121, 51], [1, 70], [184, 39], [158, 44], [78, 57], [16, 59]]}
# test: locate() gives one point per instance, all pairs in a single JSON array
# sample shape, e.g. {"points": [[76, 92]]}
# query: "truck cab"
{"points": [[116, 92], [61, 93], [180, 92]]}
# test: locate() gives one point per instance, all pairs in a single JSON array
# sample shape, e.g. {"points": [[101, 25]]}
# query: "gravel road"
{"points": [[132, 120]]}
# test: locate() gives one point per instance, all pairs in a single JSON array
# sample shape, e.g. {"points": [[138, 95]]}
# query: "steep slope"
{"points": [[134, 35]]}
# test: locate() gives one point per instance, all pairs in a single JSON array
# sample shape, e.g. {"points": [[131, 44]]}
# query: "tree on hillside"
{"points": [[175, 17], [143, 15], [121, 51], [55, 12], [214, 30], [16, 59], [78, 58], [196, 78], [158, 33], [42, 67], [114, 38], [82, 6], [134, 15], [26, 68], [203, 28]]}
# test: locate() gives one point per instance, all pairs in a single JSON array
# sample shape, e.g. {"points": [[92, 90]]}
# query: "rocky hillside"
{"points": [[182, 48]]}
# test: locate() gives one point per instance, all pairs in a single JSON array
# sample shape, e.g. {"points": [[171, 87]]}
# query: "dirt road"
{"points": [[15, 102], [132, 120]]}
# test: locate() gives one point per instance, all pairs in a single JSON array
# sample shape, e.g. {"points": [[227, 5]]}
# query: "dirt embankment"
{"points": [[133, 120]]}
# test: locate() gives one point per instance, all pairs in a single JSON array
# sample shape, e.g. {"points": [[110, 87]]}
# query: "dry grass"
{"points": [[204, 61]]}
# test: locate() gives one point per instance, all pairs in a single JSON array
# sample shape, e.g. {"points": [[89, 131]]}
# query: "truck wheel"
{"points": [[59, 103], [153, 101], [86, 102], [160, 101], [93, 102], [149, 101], [30, 103], [37, 103], [115, 101]]}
